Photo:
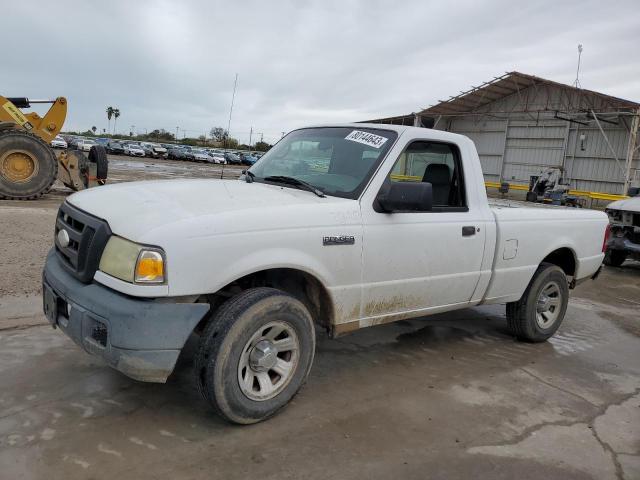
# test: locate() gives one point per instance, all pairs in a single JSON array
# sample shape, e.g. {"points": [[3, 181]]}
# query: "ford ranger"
{"points": [[337, 227]]}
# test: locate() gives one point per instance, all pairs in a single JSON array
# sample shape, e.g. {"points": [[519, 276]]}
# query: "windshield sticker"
{"points": [[375, 141]]}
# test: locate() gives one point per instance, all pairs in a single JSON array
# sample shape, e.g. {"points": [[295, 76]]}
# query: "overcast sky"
{"points": [[172, 63]]}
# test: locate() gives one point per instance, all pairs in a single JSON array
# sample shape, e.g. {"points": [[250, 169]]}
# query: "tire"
{"points": [[532, 197], [98, 155], [239, 334], [524, 318], [614, 258], [35, 156]]}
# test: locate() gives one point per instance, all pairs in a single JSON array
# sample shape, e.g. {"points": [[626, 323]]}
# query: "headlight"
{"points": [[132, 262]]}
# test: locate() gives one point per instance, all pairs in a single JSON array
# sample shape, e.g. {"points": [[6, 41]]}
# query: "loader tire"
{"points": [[28, 166], [98, 155]]}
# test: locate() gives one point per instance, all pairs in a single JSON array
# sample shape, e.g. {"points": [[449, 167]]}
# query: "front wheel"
{"points": [[255, 354], [540, 311]]}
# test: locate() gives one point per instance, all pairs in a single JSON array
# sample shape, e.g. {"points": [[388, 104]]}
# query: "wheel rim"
{"points": [[268, 361], [18, 166], [548, 305]]}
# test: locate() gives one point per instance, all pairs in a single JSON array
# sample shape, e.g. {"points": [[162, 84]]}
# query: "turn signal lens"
{"points": [[149, 267]]}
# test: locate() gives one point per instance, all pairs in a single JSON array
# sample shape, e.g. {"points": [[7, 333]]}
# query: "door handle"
{"points": [[468, 231]]}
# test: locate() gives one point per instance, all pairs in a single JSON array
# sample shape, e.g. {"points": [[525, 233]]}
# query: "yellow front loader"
{"points": [[28, 164]]}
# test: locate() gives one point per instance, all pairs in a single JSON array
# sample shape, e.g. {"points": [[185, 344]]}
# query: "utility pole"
{"points": [[233, 97], [283, 134], [250, 135], [177, 129], [262, 138]]}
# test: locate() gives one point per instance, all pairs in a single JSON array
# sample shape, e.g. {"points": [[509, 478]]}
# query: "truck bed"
{"points": [[526, 233]]}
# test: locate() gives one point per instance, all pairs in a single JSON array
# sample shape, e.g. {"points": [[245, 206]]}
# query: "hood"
{"points": [[135, 209], [629, 204]]}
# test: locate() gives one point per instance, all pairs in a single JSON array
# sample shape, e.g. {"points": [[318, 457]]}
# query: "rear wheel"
{"points": [[614, 258], [28, 166], [255, 354], [540, 311]]}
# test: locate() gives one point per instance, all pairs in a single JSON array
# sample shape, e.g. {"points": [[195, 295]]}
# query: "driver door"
{"points": [[422, 260]]}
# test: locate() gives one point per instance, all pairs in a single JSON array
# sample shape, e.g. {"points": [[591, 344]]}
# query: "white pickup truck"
{"points": [[339, 227]]}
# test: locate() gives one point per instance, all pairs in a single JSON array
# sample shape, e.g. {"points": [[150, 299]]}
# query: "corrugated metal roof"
{"points": [[514, 82], [575, 100]]}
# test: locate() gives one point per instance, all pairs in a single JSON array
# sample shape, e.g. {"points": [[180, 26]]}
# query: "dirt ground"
{"points": [[449, 396]]}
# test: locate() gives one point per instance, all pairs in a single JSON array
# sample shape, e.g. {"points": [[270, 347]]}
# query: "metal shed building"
{"points": [[522, 124]]}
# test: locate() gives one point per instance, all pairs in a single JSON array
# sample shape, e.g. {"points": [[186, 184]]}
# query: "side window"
{"points": [[438, 164]]}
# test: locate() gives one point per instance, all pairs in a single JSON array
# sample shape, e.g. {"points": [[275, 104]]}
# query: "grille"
{"points": [[88, 236]]}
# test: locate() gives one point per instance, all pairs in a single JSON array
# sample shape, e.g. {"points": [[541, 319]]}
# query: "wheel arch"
{"points": [[563, 257], [299, 283]]}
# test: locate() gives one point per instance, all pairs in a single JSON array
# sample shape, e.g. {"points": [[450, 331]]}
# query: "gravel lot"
{"points": [[451, 396]]}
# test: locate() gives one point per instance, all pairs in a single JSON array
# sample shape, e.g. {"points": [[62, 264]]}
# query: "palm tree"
{"points": [[93, 129], [116, 114], [109, 115]]}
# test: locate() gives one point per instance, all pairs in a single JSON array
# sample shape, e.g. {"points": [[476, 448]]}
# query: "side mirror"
{"points": [[405, 196]]}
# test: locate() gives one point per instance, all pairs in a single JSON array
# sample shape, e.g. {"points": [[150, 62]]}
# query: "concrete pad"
{"points": [[573, 447]]}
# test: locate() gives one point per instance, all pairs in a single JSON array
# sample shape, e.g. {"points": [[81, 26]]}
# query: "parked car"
{"points": [[398, 226], [247, 159], [115, 148], [217, 158], [58, 142], [624, 241], [176, 153], [85, 144], [133, 149], [232, 158], [102, 141], [200, 155], [153, 150]]}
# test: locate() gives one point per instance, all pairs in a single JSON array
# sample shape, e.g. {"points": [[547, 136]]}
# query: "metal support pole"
{"points": [[606, 139], [631, 147], [565, 143], [504, 150]]}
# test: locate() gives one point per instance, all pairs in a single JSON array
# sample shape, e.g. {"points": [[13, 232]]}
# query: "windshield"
{"points": [[337, 160]]}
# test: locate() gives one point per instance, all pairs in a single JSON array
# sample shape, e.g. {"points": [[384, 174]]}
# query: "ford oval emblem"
{"points": [[63, 238]]}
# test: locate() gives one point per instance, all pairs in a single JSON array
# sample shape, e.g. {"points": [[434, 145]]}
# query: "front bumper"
{"points": [[624, 243], [141, 338]]}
